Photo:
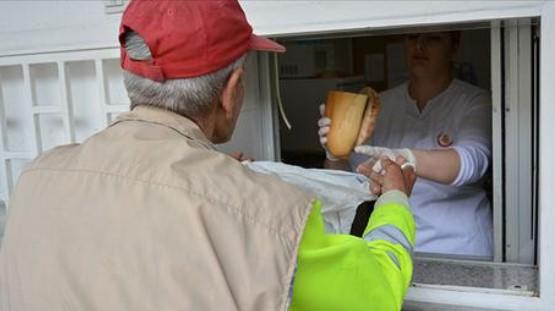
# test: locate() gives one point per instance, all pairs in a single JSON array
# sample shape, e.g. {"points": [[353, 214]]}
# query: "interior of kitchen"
{"points": [[313, 66]]}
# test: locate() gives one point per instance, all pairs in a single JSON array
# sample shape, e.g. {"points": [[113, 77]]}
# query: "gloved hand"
{"points": [[323, 130], [375, 153]]}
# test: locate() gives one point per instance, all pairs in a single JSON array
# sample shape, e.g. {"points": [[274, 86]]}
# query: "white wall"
{"points": [[58, 25], [55, 25]]}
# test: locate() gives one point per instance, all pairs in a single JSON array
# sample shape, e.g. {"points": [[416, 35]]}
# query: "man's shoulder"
{"points": [[219, 177], [267, 184], [226, 184], [175, 162], [55, 158]]}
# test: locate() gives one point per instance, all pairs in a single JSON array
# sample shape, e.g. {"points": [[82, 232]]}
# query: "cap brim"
{"points": [[259, 43]]}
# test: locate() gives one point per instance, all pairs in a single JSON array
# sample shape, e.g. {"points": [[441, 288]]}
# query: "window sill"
{"points": [[476, 276]]}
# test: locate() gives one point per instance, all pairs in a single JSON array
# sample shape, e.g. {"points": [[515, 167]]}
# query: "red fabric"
{"points": [[189, 38]]}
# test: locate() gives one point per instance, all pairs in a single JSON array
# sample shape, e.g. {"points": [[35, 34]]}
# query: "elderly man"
{"points": [[147, 215]]}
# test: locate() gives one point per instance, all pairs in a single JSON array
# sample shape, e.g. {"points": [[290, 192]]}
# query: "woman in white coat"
{"points": [[443, 127]]}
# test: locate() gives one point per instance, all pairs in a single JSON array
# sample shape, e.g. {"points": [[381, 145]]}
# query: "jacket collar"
{"points": [[178, 123]]}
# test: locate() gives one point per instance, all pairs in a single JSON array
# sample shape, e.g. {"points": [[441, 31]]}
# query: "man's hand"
{"points": [[393, 176], [239, 156]]}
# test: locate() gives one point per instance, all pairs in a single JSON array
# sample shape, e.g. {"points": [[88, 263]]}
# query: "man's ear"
{"points": [[231, 91]]}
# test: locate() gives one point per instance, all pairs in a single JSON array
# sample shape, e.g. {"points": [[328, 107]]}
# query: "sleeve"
{"points": [[344, 272], [474, 141]]}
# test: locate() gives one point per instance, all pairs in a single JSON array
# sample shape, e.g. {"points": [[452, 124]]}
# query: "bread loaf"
{"points": [[353, 118], [345, 111], [370, 116]]}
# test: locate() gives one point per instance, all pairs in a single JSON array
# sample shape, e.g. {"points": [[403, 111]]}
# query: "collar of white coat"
{"points": [[176, 122]]}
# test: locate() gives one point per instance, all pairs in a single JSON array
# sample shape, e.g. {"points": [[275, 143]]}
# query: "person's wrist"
{"points": [[396, 187], [393, 196]]}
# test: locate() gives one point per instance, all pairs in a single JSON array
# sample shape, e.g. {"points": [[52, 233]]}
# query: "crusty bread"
{"points": [[370, 116], [353, 119], [345, 111]]}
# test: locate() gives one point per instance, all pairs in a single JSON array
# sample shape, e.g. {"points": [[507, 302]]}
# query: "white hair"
{"points": [[188, 97]]}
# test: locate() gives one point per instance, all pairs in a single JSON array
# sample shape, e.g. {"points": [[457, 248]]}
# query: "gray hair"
{"points": [[188, 97]]}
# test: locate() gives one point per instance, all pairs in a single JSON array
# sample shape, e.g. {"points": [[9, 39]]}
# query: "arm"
{"points": [[438, 165], [343, 272], [465, 162], [468, 159], [391, 230]]}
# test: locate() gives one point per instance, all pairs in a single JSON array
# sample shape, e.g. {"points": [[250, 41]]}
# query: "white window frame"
{"points": [[519, 244]]}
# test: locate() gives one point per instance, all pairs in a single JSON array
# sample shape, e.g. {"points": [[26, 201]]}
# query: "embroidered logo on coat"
{"points": [[444, 140]]}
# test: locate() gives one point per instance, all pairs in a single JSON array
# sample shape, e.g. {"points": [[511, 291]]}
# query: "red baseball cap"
{"points": [[188, 38]]}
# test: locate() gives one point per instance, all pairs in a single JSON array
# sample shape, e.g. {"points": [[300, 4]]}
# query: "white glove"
{"points": [[376, 152], [323, 130]]}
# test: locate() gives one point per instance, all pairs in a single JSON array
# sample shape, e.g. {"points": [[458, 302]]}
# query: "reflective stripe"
{"points": [[394, 259], [391, 234]]}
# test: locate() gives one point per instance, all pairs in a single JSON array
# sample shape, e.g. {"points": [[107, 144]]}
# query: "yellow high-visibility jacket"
{"points": [[344, 272]]}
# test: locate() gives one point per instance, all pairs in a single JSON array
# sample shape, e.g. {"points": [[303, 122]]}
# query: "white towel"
{"points": [[339, 191]]}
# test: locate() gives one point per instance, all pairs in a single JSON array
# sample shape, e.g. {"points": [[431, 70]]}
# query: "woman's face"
{"points": [[429, 54]]}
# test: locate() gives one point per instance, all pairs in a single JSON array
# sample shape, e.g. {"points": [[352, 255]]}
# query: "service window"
{"points": [[501, 57]]}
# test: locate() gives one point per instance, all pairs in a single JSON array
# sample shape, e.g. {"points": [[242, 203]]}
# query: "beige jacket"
{"points": [[145, 215]]}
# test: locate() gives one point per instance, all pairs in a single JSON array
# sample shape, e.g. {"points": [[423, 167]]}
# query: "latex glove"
{"points": [[324, 124], [375, 153]]}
